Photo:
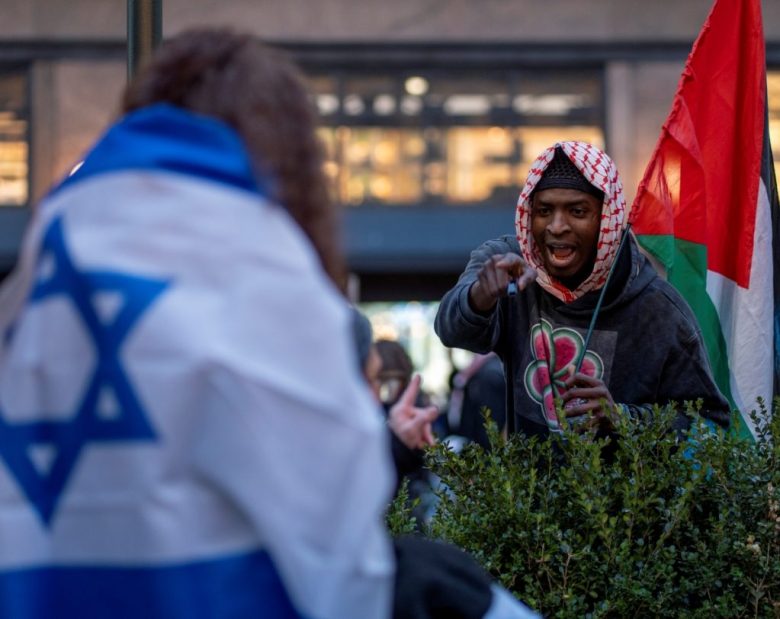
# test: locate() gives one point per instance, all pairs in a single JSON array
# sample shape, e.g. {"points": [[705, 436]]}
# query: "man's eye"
{"points": [[542, 211], [578, 212]]}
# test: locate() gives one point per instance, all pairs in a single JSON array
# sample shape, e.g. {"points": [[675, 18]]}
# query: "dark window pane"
{"points": [[370, 96], [570, 97]]}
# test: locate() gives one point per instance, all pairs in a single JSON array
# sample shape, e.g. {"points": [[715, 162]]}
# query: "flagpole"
{"points": [[597, 310], [144, 32]]}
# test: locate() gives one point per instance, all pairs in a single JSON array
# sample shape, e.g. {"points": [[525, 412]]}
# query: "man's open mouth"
{"points": [[561, 255]]}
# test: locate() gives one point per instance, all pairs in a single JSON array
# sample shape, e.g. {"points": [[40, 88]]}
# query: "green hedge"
{"points": [[659, 528]]}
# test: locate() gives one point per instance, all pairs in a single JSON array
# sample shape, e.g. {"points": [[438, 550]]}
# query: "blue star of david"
{"points": [[85, 425]]}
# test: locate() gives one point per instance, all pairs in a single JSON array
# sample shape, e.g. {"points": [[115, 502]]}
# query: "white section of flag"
{"points": [[746, 318]]}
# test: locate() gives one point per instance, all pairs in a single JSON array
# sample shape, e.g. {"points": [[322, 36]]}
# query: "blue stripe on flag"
{"points": [[245, 585], [166, 138]]}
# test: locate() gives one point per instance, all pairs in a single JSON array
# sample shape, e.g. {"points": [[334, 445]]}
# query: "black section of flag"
{"points": [[770, 182]]}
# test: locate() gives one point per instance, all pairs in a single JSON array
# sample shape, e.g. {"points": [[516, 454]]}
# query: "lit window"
{"points": [[773, 85], [429, 138], [14, 138]]}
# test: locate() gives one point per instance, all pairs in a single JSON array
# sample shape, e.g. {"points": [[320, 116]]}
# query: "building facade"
{"points": [[431, 110]]}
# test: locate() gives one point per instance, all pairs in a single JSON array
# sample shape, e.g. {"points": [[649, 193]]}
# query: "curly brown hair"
{"points": [[260, 93]]}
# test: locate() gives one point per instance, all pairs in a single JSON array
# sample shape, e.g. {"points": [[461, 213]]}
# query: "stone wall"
{"points": [[372, 20]]}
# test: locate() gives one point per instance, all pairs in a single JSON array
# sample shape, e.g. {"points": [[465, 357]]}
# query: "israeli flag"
{"points": [[183, 432]]}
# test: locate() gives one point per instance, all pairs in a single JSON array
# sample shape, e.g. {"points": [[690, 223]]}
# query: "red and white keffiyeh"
{"points": [[601, 172]]}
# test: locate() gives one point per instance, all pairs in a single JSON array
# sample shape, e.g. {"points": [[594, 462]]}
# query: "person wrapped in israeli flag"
{"points": [[183, 429]]}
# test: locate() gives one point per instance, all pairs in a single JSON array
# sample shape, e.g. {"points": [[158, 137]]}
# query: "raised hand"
{"points": [[410, 423]]}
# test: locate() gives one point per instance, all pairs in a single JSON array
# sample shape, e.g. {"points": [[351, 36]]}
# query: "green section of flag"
{"points": [[686, 270]]}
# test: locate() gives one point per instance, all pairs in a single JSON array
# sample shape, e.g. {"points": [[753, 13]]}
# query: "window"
{"points": [[431, 137], [14, 137]]}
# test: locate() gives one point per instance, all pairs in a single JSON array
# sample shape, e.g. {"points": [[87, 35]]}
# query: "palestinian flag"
{"points": [[707, 207]]}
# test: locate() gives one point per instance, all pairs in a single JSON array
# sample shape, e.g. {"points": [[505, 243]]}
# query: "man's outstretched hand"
{"points": [[493, 280]]}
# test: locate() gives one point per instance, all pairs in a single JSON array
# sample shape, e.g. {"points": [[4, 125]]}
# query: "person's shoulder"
{"points": [[665, 293], [666, 302], [501, 245]]}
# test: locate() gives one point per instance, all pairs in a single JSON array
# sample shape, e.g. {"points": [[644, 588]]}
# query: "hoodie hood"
{"points": [[601, 172]]}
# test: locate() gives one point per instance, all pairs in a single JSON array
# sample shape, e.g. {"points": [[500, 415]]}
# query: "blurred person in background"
{"points": [[410, 417], [395, 373], [409, 421], [183, 430], [476, 390], [396, 377]]}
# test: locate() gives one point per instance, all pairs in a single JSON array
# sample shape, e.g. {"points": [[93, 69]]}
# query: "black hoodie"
{"points": [[646, 346]]}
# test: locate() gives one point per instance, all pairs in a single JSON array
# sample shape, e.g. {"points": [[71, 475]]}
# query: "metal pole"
{"points": [[144, 32], [580, 359], [510, 319]]}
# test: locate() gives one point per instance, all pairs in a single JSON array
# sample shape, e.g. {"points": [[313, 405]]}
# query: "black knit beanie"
{"points": [[562, 173]]}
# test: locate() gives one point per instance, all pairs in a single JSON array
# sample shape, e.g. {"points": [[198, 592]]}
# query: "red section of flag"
{"points": [[702, 182]]}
